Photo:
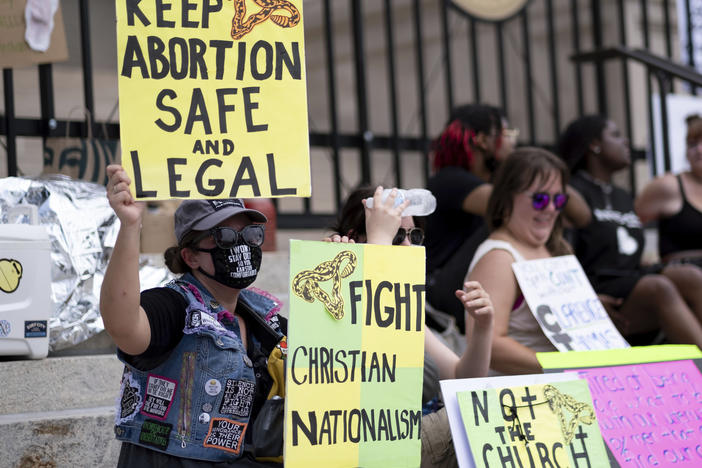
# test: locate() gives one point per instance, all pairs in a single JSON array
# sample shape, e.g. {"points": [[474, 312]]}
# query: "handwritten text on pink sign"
{"points": [[649, 414]]}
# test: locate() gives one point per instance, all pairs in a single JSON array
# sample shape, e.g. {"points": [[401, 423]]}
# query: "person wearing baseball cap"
{"points": [[197, 384]]}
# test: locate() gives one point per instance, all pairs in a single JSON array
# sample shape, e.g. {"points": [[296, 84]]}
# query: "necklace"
{"points": [[605, 187]]}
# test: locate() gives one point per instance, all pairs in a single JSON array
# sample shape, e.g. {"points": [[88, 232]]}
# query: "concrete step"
{"points": [[59, 412]]}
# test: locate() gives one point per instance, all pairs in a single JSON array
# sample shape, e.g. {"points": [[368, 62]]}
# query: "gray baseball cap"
{"points": [[201, 215]]}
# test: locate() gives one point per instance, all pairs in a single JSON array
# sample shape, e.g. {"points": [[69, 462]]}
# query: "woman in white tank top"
{"points": [[523, 216]]}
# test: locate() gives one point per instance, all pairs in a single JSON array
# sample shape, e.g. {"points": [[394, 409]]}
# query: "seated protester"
{"points": [[467, 153], [208, 345], [675, 202], [465, 156], [610, 246], [525, 224], [384, 224]]}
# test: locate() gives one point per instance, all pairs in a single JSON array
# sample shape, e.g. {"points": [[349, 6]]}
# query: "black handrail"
{"points": [[652, 61], [663, 69]]}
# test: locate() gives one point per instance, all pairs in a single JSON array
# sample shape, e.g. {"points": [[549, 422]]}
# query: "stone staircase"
{"points": [[59, 411]]}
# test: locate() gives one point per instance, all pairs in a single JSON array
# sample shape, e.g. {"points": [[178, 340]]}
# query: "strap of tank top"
{"points": [[682, 191]]}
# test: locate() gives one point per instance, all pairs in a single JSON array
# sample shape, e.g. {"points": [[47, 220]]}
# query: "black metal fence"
{"points": [[553, 61]]}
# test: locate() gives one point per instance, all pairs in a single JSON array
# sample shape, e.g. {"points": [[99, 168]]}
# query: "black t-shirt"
{"points": [[165, 309], [449, 226], [612, 244]]}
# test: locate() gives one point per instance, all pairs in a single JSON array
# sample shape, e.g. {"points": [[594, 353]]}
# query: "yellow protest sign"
{"points": [[213, 101], [616, 357], [551, 424], [355, 355]]}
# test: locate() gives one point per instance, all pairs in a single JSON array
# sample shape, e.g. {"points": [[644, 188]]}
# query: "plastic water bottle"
{"points": [[422, 202]]}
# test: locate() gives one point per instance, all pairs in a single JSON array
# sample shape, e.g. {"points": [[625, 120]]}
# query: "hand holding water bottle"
{"points": [[421, 201], [383, 216]]}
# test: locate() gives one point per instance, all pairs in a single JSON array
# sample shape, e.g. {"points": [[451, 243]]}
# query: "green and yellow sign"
{"points": [[550, 424], [355, 355]]}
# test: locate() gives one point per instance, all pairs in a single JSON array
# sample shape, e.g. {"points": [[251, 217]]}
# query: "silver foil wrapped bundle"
{"points": [[82, 229]]}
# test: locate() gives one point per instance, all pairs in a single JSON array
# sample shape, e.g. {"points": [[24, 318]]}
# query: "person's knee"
{"points": [[658, 288], [685, 276]]}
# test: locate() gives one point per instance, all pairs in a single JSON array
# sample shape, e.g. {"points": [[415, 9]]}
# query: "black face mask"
{"points": [[236, 267]]}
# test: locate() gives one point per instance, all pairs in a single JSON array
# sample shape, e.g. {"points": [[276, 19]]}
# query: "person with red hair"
{"points": [[465, 156]]}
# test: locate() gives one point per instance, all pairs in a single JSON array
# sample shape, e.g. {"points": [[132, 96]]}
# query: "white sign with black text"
{"points": [[565, 305]]}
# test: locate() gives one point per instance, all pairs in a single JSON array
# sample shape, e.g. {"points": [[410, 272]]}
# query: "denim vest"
{"points": [[198, 403]]}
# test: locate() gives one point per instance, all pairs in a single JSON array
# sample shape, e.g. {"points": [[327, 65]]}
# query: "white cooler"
{"points": [[25, 287]]}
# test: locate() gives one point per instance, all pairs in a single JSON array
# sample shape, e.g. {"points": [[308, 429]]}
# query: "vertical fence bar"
{"points": [[331, 86], [500, 40], [649, 87], [575, 28], [663, 94], [554, 70], [528, 77], [46, 97], [651, 135], [690, 44], [361, 94], [598, 42], [644, 19], [87, 59], [475, 60], [390, 47], [10, 133], [625, 88], [446, 39], [421, 86], [666, 28]]}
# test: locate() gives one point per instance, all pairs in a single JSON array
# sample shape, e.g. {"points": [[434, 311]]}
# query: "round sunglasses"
{"points": [[226, 237], [540, 200], [415, 235]]}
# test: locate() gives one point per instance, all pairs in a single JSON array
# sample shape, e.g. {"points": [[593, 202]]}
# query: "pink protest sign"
{"points": [[649, 414]]}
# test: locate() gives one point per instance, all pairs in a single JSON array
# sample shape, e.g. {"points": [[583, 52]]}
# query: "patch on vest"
{"points": [[155, 434], [159, 396], [237, 398], [196, 320], [129, 400], [225, 434]]}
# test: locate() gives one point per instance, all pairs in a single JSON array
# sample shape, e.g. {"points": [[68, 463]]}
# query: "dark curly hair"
{"points": [[577, 137]]}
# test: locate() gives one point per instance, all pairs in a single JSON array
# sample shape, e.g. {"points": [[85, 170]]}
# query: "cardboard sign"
{"points": [[649, 414], [212, 99], [14, 50], [550, 424], [450, 389], [565, 305], [355, 355]]}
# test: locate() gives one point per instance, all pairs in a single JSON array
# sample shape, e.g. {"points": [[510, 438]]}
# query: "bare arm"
{"points": [[577, 212], [494, 272], [124, 319], [660, 198], [477, 200], [475, 362], [444, 357]]}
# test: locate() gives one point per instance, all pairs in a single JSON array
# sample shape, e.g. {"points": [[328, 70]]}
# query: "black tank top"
{"points": [[682, 231]]}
